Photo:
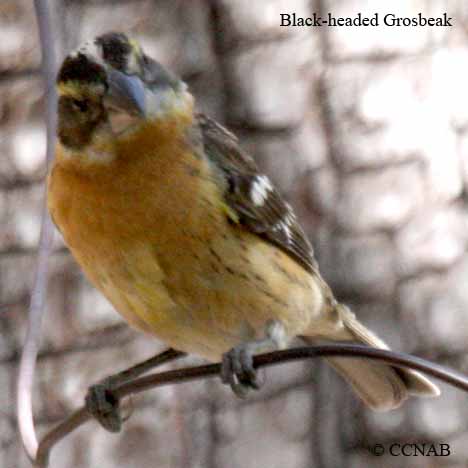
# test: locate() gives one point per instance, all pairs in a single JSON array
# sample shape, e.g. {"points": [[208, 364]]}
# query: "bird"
{"points": [[173, 221]]}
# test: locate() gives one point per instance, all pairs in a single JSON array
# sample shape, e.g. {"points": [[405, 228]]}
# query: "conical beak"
{"points": [[125, 93]]}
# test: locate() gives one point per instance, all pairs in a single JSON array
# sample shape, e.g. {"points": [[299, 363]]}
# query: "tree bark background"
{"points": [[364, 130]]}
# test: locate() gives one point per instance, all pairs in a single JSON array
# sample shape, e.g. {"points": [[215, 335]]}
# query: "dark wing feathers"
{"points": [[259, 206]]}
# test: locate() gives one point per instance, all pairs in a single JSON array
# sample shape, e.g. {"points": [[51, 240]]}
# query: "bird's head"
{"points": [[109, 87]]}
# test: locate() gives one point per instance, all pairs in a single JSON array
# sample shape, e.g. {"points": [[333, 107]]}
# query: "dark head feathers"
{"points": [[81, 68], [84, 66], [116, 49]]}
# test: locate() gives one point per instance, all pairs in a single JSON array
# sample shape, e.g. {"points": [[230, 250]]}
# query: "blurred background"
{"points": [[364, 130]]}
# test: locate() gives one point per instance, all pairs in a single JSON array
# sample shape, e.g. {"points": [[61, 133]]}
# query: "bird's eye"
{"points": [[80, 105]]}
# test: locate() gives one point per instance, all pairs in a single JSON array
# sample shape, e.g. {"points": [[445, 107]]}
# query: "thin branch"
{"points": [[33, 334], [177, 376]]}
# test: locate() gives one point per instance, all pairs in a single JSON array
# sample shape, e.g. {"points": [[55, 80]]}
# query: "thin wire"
{"points": [[27, 366], [177, 376]]}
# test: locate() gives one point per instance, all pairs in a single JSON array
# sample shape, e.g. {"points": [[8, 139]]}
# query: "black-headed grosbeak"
{"points": [[172, 221]]}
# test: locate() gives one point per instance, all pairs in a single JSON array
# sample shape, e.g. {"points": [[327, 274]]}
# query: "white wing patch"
{"points": [[259, 190]]}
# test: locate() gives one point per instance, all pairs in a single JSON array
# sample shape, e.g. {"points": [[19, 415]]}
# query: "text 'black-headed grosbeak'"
{"points": [[171, 220]]}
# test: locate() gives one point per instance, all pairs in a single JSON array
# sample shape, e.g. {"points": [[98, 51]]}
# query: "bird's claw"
{"points": [[237, 371], [102, 404]]}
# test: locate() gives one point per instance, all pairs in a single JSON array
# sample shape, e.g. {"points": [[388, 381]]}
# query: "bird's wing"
{"points": [[256, 202]]}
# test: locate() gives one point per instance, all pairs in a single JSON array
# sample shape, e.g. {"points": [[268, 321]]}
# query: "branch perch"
{"points": [[177, 376]]}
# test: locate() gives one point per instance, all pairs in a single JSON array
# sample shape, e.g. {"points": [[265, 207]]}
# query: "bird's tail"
{"points": [[381, 386]]}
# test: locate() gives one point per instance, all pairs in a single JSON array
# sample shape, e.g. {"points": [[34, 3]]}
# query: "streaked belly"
{"points": [[208, 299]]}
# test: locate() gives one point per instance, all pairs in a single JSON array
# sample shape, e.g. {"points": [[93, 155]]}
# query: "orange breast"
{"points": [[149, 231]]}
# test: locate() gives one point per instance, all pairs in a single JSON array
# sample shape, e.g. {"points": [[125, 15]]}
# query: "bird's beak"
{"points": [[125, 93]]}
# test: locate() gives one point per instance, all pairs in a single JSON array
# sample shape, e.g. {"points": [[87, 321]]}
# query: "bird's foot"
{"points": [[104, 406], [101, 401], [237, 368]]}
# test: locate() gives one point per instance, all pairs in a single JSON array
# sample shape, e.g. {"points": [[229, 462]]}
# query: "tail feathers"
{"points": [[381, 386]]}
